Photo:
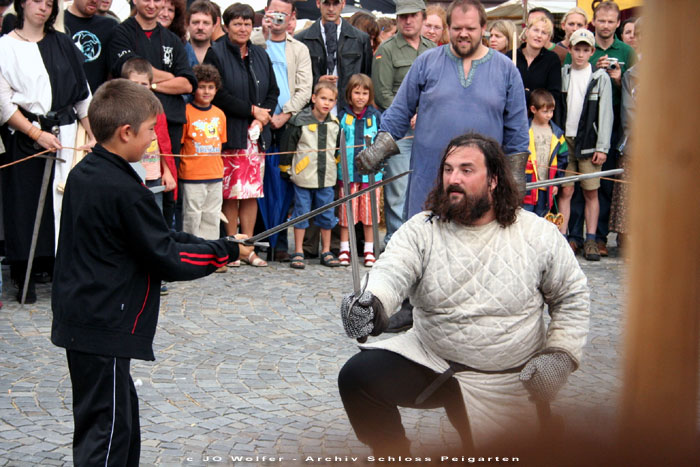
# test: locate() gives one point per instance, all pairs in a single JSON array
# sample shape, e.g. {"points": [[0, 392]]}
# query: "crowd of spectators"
{"points": [[262, 74]]}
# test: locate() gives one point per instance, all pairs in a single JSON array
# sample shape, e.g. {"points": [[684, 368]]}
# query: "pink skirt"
{"points": [[361, 206], [243, 172]]}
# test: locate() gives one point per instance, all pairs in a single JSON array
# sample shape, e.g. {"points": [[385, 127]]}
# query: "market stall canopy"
{"points": [[513, 9]]}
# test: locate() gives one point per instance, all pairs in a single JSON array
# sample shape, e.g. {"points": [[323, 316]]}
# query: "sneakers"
{"points": [[602, 248], [590, 250], [163, 290]]}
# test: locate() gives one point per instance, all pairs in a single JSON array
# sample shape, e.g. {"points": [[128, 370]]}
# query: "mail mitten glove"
{"points": [[371, 159], [365, 317], [545, 374]]}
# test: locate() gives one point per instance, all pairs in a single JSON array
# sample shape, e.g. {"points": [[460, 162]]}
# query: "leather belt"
{"points": [[456, 368], [53, 119]]}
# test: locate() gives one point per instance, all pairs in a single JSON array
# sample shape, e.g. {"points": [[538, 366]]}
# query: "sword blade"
{"points": [[349, 215], [373, 206], [572, 178], [317, 211], [37, 223]]}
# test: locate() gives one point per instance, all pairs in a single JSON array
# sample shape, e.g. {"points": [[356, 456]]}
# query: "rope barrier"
{"points": [[38, 154]]}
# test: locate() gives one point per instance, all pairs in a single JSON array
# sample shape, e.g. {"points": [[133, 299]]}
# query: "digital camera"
{"points": [[277, 18]]}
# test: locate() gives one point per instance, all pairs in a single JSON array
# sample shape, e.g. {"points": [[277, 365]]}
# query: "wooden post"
{"points": [[659, 398]]}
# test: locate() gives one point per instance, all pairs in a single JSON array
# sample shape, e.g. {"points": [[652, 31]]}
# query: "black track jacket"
{"points": [[113, 250]]}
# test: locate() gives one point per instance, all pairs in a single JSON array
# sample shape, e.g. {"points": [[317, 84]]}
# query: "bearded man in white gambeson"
{"points": [[479, 271]]}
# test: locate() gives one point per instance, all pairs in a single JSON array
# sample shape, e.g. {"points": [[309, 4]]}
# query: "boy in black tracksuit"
{"points": [[114, 249]]}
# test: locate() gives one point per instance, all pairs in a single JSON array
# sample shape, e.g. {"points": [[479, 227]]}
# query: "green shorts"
{"points": [[581, 166]]}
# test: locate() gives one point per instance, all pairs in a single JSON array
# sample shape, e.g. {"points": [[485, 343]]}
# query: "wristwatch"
{"points": [[154, 86]]}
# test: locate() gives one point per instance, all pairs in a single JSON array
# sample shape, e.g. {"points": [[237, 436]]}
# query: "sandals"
{"points": [[297, 261], [234, 264], [369, 259], [255, 260], [328, 259], [344, 258]]}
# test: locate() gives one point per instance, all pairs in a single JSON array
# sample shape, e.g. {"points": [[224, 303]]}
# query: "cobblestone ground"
{"points": [[246, 366]]}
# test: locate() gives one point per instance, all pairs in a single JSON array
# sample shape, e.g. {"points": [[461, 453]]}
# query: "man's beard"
{"points": [[200, 43], [469, 52], [466, 211]]}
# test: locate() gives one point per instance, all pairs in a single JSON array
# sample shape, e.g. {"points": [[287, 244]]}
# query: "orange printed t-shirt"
{"points": [[203, 134]]}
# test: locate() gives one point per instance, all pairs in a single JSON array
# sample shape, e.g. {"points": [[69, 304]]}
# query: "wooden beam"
{"points": [[660, 395]]}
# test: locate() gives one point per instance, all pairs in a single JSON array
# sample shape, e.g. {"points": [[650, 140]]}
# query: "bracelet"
{"points": [[34, 133]]}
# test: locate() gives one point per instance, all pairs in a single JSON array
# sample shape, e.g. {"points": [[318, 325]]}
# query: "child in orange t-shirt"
{"points": [[202, 175]]}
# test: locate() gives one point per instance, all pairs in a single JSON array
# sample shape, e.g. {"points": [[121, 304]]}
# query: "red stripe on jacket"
{"points": [[148, 289], [202, 255], [218, 264]]}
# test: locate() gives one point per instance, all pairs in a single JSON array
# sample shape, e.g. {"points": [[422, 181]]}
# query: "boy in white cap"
{"points": [[588, 121]]}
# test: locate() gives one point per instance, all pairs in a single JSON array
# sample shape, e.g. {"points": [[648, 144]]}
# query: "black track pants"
{"points": [[105, 411]]}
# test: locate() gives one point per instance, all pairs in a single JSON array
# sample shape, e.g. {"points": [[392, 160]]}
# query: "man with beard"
{"points": [[479, 271], [462, 86]]}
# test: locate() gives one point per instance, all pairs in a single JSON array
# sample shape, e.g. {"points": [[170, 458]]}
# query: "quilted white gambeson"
{"points": [[480, 292]]}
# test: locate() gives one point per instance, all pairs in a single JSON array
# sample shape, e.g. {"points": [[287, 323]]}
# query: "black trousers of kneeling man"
{"points": [[373, 385]]}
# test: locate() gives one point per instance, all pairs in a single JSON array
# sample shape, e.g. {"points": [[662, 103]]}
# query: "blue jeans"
{"points": [[307, 199], [395, 192]]}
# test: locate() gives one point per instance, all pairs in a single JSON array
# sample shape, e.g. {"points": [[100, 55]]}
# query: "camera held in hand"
{"points": [[612, 63], [277, 17]]}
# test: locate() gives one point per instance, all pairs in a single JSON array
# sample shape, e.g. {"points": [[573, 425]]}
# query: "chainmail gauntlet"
{"points": [[545, 374], [365, 317]]}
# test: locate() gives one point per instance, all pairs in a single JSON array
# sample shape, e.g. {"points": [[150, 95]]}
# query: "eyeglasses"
{"points": [[433, 28]]}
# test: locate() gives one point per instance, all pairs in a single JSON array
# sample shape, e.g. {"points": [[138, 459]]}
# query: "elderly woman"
{"points": [[43, 93], [574, 19], [435, 25], [501, 34], [248, 96], [539, 67]]}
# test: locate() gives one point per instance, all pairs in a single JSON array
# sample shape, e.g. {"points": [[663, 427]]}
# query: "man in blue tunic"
{"points": [[456, 88]]}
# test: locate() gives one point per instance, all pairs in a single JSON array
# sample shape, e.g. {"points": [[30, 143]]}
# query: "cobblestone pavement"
{"points": [[246, 366]]}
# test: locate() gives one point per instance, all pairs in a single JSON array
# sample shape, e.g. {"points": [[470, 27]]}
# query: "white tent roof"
{"points": [[515, 7]]}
